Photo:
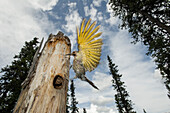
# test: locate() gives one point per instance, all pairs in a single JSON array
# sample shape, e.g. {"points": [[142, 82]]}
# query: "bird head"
{"points": [[74, 53], [77, 55]]}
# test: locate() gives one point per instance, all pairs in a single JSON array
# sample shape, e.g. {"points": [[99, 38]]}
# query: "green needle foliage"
{"points": [[148, 21], [84, 110], [13, 75], [67, 104], [124, 105], [73, 106], [144, 111]]}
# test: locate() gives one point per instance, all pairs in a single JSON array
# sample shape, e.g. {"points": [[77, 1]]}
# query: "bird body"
{"points": [[79, 69], [88, 56]]}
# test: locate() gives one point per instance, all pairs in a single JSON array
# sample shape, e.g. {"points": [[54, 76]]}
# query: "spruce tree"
{"points": [[13, 75], [73, 106], [67, 104], [144, 111], [84, 110], [124, 105], [148, 22]]}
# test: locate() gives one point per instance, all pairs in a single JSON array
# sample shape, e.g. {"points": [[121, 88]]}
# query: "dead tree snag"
{"points": [[45, 88]]}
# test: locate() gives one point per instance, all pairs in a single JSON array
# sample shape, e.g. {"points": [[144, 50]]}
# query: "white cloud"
{"points": [[98, 99], [157, 74], [72, 5], [93, 109], [90, 12], [97, 3], [72, 19], [20, 22], [102, 100], [113, 20], [43, 4], [98, 109], [102, 80], [100, 16], [103, 109], [138, 74], [54, 15], [109, 9], [86, 10]]}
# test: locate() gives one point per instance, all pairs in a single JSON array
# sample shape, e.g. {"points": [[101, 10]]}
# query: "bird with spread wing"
{"points": [[89, 50]]}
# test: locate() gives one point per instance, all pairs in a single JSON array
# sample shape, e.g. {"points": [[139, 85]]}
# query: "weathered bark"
{"points": [[45, 89]]}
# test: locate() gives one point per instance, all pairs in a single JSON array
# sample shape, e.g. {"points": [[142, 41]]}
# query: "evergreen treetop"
{"points": [[148, 21], [124, 105], [13, 75], [73, 106]]}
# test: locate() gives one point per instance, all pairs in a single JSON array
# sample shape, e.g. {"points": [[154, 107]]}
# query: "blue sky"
{"points": [[21, 21]]}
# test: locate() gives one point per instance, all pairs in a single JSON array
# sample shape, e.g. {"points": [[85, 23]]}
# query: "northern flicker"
{"points": [[89, 50]]}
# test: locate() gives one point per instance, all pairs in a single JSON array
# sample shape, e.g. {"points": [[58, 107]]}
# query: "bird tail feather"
{"points": [[91, 83]]}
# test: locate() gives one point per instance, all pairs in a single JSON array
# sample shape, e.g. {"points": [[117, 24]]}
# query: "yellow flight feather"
{"points": [[89, 65], [94, 60], [93, 32], [82, 25], [96, 54], [94, 36], [89, 47], [87, 25], [78, 35], [90, 28], [98, 42]]}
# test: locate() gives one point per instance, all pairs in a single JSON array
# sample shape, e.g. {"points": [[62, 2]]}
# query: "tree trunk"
{"points": [[45, 88]]}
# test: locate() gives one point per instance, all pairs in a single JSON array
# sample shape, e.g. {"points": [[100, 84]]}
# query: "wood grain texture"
{"points": [[39, 95]]}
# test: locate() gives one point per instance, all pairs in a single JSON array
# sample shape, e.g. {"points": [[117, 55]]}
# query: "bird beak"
{"points": [[69, 54]]}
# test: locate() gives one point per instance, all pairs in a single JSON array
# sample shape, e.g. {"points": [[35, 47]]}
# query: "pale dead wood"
{"points": [[45, 89], [33, 66]]}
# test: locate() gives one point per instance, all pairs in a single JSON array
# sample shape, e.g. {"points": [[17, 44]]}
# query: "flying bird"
{"points": [[89, 50]]}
